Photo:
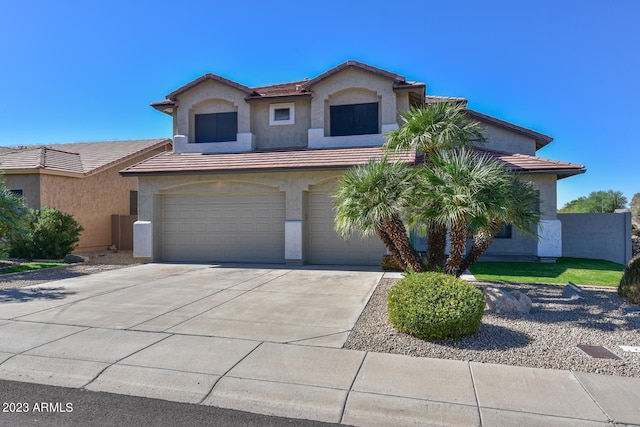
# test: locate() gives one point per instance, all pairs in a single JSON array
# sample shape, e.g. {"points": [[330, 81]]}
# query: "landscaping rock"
{"points": [[500, 301], [75, 259], [572, 292]]}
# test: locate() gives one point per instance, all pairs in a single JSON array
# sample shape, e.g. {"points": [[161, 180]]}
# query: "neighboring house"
{"points": [[252, 172], [81, 179]]}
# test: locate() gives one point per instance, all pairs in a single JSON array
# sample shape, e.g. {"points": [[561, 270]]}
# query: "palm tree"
{"points": [[517, 203], [370, 199], [12, 209], [471, 191], [433, 129]]}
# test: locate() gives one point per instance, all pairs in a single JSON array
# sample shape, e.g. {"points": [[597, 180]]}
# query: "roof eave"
{"points": [[166, 107], [561, 173]]}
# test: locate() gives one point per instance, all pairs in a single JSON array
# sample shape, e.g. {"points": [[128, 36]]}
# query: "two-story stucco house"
{"points": [[253, 169]]}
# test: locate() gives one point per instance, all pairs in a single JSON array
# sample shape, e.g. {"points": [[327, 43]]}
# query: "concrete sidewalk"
{"points": [[73, 340]]}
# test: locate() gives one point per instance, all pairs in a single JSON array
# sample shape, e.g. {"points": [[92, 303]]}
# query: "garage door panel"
{"points": [[215, 227], [325, 246]]}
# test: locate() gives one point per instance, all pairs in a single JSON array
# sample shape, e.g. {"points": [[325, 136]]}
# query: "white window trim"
{"points": [[272, 114]]}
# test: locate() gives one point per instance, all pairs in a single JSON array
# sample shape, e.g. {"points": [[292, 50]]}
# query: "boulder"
{"points": [[572, 292], [74, 259], [501, 301]]}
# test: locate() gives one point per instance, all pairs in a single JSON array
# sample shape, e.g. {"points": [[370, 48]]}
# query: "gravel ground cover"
{"points": [[545, 338], [98, 261]]}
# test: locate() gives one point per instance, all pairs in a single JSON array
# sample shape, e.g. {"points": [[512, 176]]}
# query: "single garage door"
{"points": [[324, 246], [223, 228]]}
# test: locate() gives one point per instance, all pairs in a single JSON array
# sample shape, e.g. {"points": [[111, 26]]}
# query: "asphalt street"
{"points": [[43, 405]]}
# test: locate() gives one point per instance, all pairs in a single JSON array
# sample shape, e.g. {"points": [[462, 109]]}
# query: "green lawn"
{"points": [[28, 266], [577, 270]]}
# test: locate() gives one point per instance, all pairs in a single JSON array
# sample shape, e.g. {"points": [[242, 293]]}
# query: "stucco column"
{"points": [[293, 225], [550, 239]]}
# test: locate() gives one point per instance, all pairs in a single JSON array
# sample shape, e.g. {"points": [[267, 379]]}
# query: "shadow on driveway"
{"points": [[26, 295]]}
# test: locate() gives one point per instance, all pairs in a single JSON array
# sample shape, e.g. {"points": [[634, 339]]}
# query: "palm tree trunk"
{"points": [[391, 247], [481, 241], [398, 234], [458, 234], [436, 245]]}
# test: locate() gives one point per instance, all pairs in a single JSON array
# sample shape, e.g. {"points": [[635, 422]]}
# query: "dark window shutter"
{"points": [[354, 119], [216, 127], [227, 124], [365, 118]]}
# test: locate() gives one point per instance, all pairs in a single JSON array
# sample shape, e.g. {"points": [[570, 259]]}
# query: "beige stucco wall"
{"points": [[274, 136], [546, 184], [92, 200], [30, 186], [402, 101], [210, 97], [294, 184], [521, 243], [504, 140]]}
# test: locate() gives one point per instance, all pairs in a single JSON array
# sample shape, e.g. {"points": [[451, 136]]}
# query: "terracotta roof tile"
{"points": [[170, 163], [288, 89], [354, 64], [172, 96], [532, 164], [81, 158]]}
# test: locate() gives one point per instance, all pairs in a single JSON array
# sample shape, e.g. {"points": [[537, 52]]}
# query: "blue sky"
{"points": [[87, 71]]}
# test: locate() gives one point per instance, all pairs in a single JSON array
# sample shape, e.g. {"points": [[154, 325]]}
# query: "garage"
{"points": [[324, 246], [223, 228]]}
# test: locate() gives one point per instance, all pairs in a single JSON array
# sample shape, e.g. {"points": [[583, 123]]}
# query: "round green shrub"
{"points": [[48, 234], [629, 287], [435, 306]]}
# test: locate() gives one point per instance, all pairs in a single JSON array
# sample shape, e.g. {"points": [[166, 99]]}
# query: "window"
{"points": [[216, 127], [282, 114], [133, 202], [17, 192], [354, 119], [504, 231]]}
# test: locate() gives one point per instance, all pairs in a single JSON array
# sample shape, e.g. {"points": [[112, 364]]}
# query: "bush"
{"points": [[435, 306], [629, 287], [51, 234], [389, 263]]}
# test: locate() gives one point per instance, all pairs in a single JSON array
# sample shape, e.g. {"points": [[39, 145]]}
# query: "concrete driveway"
{"points": [[304, 305]]}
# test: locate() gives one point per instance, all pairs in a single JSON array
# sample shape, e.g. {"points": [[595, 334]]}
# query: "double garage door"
{"points": [[250, 228], [224, 228]]}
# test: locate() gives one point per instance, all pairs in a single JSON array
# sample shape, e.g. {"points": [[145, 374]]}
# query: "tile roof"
{"points": [[79, 158], [334, 158], [326, 158], [301, 88], [532, 164]]}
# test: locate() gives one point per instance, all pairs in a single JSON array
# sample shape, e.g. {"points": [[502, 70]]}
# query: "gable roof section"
{"points": [[355, 64], [531, 164], [540, 138], [208, 77], [284, 90], [263, 161], [84, 158]]}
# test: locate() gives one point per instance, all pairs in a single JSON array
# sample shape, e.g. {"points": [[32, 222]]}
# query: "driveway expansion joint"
{"points": [[225, 374]]}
